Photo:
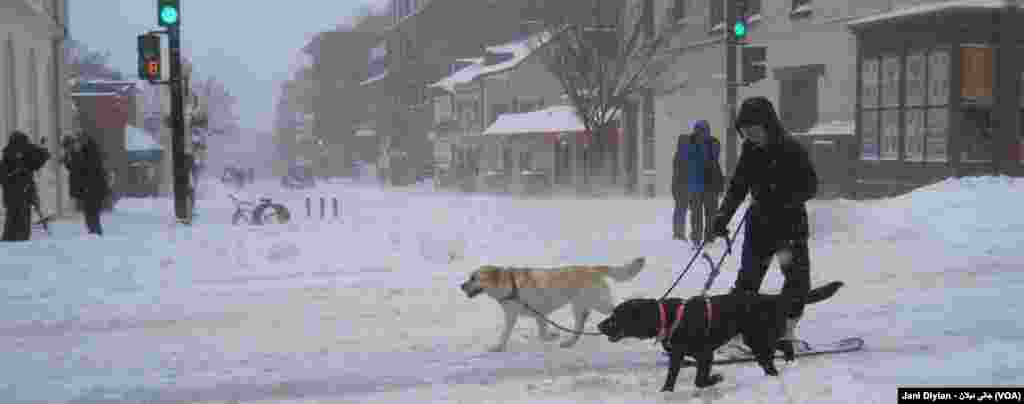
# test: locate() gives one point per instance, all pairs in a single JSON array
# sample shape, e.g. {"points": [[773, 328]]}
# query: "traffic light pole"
{"points": [[731, 93], [182, 188]]}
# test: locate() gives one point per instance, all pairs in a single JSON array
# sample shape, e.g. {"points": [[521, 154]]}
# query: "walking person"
{"points": [[777, 172], [88, 180], [680, 188], [21, 160], [704, 180]]}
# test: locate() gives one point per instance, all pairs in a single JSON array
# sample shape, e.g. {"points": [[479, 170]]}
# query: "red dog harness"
{"points": [[666, 329]]}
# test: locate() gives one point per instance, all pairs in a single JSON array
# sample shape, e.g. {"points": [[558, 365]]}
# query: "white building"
{"points": [[33, 97]]}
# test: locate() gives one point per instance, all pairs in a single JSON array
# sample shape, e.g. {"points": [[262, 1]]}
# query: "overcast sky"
{"points": [[252, 46]]}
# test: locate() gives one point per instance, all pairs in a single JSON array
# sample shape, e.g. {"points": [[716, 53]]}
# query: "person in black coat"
{"points": [[88, 180], [21, 160], [680, 188], [777, 172]]}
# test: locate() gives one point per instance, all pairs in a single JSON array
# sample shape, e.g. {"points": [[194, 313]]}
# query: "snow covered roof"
{"points": [[519, 51], [928, 8], [556, 119], [139, 140], [831, 128]]}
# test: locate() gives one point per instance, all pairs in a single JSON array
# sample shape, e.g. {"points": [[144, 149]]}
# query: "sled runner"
{"points": [[841, 346]]}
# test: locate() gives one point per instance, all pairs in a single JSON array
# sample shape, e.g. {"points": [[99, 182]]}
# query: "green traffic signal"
{"points": [[169, 15], [740, 29]]}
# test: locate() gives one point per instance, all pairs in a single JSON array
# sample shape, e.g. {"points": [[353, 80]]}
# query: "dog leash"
{"points": [[717, 268], [514, 296], [700, 251]]}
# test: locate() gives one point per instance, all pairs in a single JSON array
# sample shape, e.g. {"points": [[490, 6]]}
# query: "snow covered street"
{"points": [[367, 308]]}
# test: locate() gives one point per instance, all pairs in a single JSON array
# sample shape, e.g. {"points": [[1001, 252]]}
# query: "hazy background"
{"points": [[250, 46]]}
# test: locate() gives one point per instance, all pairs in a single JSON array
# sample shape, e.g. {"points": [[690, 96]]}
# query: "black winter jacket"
{"points": [[780, 179], [21, 160]]}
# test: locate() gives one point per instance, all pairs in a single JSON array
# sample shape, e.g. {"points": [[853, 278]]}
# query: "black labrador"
{"points": [[702, 324]]}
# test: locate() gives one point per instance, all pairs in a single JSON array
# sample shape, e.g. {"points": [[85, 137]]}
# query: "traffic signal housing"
{"points": [[150, 63], [168, 13], [740, 24], [753, 60]]}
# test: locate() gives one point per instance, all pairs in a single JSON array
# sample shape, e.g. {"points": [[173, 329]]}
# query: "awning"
{"points": [[141, 146]]}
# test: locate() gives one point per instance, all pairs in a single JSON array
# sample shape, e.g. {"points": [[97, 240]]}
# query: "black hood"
{"points": [[18, 142], [759, 111]]}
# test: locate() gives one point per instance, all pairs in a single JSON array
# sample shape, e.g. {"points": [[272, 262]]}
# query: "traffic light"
{"points": [[168, 12], [739, 24], [150, 63], [754, 68]]}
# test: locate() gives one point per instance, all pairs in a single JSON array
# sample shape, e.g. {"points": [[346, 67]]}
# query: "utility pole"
{"points": [[182, 191], [169, 17], [729, 8]]}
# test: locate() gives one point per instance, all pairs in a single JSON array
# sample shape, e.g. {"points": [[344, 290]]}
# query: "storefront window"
{"points": [[869, 88], [914, 121], [935, 134], [870, 94], [869, 135], [915, 84], [891, 81], [938, 77], [975, 130], [937, 121], [890, 134]]}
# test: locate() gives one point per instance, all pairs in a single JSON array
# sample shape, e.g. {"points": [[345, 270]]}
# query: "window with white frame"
{"points": [[891, 68], [920, 121], [869, 108], [936, 132], [913, 116]]}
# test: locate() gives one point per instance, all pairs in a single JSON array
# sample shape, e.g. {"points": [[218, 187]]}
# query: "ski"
{"points": [[841, 346]]}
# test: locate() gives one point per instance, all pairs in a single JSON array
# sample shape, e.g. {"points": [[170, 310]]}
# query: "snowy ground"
{"points": [[367, 309]]}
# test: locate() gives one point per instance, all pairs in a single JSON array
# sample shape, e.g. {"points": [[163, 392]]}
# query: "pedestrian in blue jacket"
{"points": [[697, 182]]}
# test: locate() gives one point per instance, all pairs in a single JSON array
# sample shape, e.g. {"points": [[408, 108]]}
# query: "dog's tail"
{"points": [[628, 271], [823, 292]]}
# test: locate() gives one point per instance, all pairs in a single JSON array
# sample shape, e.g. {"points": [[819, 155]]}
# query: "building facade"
{"points": [[819, 54], [423, 40], [33, 95]]}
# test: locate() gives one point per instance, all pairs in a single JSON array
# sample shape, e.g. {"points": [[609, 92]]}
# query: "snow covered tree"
{"points": [[605, 53], [88, 64]]}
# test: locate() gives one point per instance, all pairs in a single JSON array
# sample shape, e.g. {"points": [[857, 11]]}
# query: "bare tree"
{"points": [[604, 53], [89, 64], [216, 113]]}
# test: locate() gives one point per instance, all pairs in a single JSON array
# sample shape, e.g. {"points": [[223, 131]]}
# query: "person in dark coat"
{"points": [[680, 188], [21, 160], [777, 172], [88, 180], [704, 180]]}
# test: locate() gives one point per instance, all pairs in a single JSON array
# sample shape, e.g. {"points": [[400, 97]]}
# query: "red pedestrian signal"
{"points": [[149, 57]]}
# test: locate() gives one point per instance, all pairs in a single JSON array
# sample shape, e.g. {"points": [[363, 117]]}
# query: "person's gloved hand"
{"points": [[720, 227]]}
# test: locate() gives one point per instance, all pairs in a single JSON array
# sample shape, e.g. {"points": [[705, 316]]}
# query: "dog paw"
{"points": [[667, 389], [568, 343], [496, 348], [711, 381]]}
